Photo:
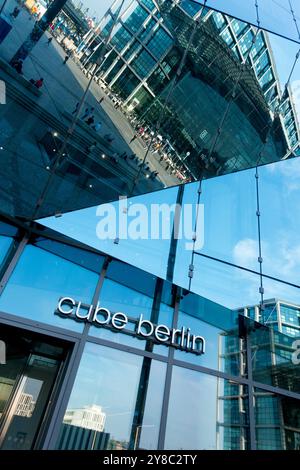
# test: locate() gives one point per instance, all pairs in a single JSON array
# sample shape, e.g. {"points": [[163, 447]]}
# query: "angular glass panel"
{"points": [[277, 19], [274, 357], [210, 412], [140, 297], [140, 98], [279, 195], [137, 230], [230, 222], [118, 298], [229, 286]]}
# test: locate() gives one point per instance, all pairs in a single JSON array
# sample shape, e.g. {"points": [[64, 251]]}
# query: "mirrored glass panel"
{"points": [[279, 196], [273, 15], [139, 96], [206, 413], [275, 350], [219, 326]]}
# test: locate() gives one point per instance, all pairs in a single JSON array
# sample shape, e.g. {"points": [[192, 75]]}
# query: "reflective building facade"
{"points": [[146, 52]]}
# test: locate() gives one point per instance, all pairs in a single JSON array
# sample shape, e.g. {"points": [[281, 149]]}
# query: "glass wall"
{"points": [[40, 279], [206, 413], [120, 402]]}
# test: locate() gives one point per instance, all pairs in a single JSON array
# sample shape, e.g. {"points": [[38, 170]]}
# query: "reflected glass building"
{"points": [[146, 52]]}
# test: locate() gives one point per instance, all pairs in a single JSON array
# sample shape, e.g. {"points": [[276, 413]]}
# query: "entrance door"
{"points": [[27, 383]]}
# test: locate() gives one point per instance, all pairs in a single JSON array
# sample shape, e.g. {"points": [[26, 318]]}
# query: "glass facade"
{"points": [[122, 387]]}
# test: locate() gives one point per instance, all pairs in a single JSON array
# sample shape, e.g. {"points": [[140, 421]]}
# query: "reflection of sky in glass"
{"points": [[119, 298], [113, 385], [275, 15], [230, 226], [214, 341], [141, 252]]}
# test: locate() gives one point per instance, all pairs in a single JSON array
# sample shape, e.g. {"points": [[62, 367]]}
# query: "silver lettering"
{"points": [[200, 340], [174, 333], [87, 315]]}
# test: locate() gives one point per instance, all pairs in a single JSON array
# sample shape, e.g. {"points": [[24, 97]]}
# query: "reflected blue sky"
{"points": [[274, 15], [192, 409], [113, 386]]}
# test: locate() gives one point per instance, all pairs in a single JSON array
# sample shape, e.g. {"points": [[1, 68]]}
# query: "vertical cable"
{"points": [[191, 266], [257, 13]]}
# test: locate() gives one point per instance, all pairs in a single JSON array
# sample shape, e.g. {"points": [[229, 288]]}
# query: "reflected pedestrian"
{"points": [[90, 120], [15, 12]]}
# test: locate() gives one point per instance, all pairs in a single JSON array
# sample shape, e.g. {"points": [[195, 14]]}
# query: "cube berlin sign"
{"points": [[144, 329]]}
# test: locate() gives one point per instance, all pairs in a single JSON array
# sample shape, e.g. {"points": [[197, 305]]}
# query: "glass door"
{"points": [[27, 381]]}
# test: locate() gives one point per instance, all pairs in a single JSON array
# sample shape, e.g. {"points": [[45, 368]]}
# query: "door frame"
{"points": [[70, 341]]}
